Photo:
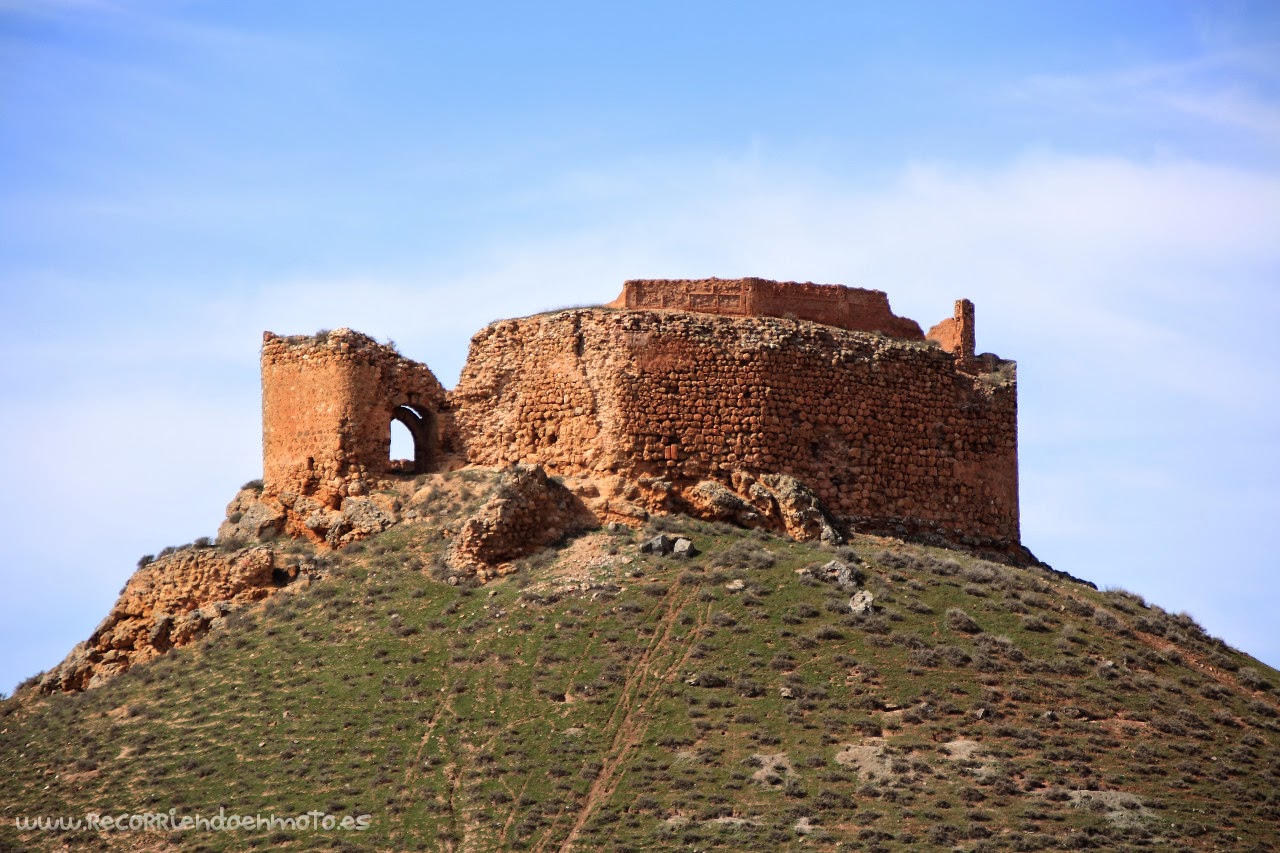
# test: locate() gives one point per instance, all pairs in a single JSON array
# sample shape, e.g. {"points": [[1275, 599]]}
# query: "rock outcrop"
{"points": [[168, 603], [773, 501], [250, 518], [253, 516], [526, 511]]}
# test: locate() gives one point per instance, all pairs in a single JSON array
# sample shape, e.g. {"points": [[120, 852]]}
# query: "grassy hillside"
{"points": [[617, 701]]}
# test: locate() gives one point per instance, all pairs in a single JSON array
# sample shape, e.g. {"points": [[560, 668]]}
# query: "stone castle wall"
{"points": [[890, 434], [852, 308]]}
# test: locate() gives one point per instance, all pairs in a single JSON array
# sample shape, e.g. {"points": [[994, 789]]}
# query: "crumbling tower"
{"points": [[328, 401]]}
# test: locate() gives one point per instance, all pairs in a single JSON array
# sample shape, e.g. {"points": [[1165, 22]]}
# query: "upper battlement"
{"points": [[856, 309]]}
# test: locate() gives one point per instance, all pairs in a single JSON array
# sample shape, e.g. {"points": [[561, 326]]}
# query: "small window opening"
{"points": [[402, 451]]}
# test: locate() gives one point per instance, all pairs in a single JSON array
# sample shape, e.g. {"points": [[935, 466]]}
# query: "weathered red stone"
{"points": [[676, 383]]}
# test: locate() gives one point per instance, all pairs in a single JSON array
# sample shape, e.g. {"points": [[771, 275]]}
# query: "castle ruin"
{"points": [[679, 395]]}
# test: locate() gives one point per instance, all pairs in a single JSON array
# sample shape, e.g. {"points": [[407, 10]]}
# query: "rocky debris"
{"points": [[250, 518], [323, 518], [355, 519], [684, 549], [676, 546], [774, 768], [837, 572], [862, 602], [706, 679], [771, 501], [661, 545], [167, 603], [526, 511], [1120, 808], [714, 501], [803, 515], [195, 623]]}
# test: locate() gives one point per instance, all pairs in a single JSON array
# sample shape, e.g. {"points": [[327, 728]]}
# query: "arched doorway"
{"points": [[421, 425]]}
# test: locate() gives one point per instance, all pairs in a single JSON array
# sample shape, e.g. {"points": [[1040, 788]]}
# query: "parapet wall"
{"points": [[852, 308], [891, 434]]}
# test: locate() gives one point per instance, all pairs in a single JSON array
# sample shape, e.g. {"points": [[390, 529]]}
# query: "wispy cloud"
{"points": [[1227, 89]]}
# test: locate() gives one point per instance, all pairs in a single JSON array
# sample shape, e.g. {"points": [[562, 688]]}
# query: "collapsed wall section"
{"points": [[327, 405], [893, 435]]}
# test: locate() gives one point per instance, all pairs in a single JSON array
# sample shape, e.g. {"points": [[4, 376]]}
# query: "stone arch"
{"points": [[421, 423]]}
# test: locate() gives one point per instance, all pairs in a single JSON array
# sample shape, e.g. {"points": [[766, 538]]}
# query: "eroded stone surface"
{"points": [[167, 603], [714, 412], [802, 408], [527, 510]]}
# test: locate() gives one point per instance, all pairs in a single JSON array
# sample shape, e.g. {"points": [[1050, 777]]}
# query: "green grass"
{"points": [[630, 714]]}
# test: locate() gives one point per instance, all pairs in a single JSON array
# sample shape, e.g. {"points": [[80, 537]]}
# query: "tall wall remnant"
{"points": [[674, 386], [328, 401], [956, 334]]}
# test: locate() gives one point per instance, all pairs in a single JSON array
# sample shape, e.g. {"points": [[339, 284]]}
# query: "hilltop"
{"points": [[720, 565], [763, 693]]}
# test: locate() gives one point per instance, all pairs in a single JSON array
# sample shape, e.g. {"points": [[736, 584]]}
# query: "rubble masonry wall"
{"points": [[889, 433]]}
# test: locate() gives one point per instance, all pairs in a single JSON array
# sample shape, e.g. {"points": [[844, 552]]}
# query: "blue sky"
{"points": [[1102, 179]]}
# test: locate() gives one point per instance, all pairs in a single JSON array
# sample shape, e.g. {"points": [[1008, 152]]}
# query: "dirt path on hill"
{"points": [[412, 770], [1194, 660], [630, 717]]}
